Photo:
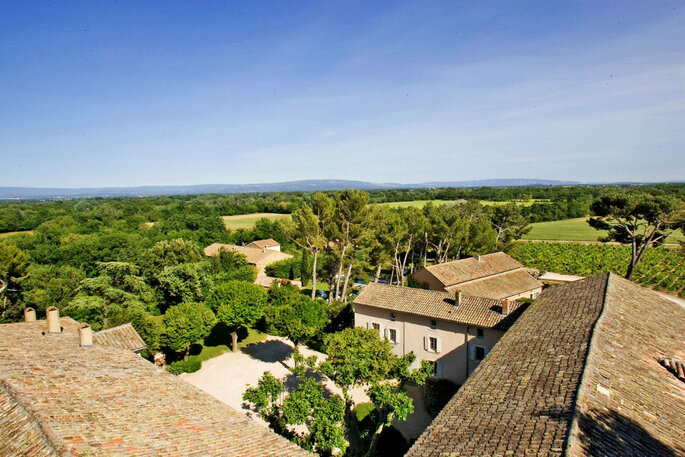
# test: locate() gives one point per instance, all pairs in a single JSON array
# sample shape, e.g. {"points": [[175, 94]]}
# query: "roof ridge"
{"points": [[51, 437], [127, 324], [582, 386]]}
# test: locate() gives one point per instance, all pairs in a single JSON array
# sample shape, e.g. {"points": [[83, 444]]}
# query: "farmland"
{"points": [[575, 230], [661, 268], [422, 203], [247, 221]]}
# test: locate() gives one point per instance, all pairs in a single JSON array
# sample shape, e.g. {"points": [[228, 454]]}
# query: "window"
{"points": [[479, 334], [434, 324], [536, 294], [478, 353], [392, 335], [375, 325], [392, 317], [432, 344]]}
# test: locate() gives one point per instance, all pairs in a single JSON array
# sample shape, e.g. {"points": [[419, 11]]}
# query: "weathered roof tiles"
{"points": [[576, 375], [481, 312], [58, 398]]}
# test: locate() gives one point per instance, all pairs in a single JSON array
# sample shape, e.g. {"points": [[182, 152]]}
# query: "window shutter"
{"points": [[368, 325], [426, 343], [438, 347], [387, 333], [473, 352], [438, 369], [397, 336], [486, 351], [381, 331]]}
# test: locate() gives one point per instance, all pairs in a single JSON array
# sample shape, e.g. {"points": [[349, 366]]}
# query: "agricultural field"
{"points": [[247, 221], [575, 230], [661, 268], [422, 203], [2, 235]]}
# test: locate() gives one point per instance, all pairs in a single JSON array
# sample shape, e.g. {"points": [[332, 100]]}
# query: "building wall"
{"points": [[425, 277], [528, 294], [454, 359]]}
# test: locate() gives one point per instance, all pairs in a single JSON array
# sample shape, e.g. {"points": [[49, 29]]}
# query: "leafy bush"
{"points": [[367, 420], [286, 269], [191, 366]]}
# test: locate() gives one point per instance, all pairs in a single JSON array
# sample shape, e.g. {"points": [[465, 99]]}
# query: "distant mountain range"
{"points": [[11, 193]]}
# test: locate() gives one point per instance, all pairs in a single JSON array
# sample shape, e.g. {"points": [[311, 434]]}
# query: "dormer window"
{"points": [[392, 317], [434, 324]]}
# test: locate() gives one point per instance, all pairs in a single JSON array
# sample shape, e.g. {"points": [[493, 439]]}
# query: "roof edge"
{"points": [[51, 437], [572, 433]]}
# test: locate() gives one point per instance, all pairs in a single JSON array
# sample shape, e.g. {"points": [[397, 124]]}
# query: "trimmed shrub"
{"points": [[191, 366], [286, 269]]}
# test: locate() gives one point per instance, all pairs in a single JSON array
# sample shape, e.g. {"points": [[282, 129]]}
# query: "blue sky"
{"points": [[156, 93]]}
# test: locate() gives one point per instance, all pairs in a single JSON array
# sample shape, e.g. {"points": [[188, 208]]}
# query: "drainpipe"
{"points": [[467, 353]]}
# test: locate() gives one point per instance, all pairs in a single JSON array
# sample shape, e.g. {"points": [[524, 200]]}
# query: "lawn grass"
{"points": [[209, 352], [575, 230], [247, 221]]}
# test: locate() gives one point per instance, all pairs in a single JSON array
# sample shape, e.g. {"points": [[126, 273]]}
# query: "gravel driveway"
{"points": [[227, 376]]}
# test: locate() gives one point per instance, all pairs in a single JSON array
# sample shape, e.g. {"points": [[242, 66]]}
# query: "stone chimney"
{"points": [[85, 335], [506, 307], [52, 316], [29, 315], [457, 298]]}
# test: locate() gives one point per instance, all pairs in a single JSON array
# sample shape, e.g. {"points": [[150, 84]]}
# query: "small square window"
{"points": [[433, 344], [392, 335], [392, 317], [480, 333], [480, 353], [376, 325], [434, 324]]}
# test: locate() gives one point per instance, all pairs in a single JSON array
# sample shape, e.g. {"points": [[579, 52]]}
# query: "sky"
{"points": [[125, 93]]}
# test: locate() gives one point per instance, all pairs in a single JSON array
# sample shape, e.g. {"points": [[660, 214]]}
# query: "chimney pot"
{"points": [[506, 305], [29, 315], [52, 316], [457, 298], [478, 258], [85, 334]]}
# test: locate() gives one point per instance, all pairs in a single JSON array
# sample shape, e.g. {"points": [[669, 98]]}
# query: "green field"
{"points": [[575, 230], [2, 235], [422, 203], [247, 221]]}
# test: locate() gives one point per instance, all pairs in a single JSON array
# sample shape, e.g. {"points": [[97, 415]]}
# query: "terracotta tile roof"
{"points": [[123, 336], [499, 286], [263, 244], [255, 256], [576, 375], [58, 398], [463, 270], [481, 312]]}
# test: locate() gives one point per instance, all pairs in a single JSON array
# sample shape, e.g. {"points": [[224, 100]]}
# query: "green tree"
{"points": [[14, 266], [237, 304], [638, 220], [509, 223], [186, 282], [118, 286], [185, 324], [51, 285], [169, 253], [231, 265], [291, 314], [356, 357]]}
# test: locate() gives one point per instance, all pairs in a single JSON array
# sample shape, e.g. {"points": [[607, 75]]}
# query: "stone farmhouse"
{"points": [[65, 391], [593, 367], [260, 254], [496, 276], [453, 330]]}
